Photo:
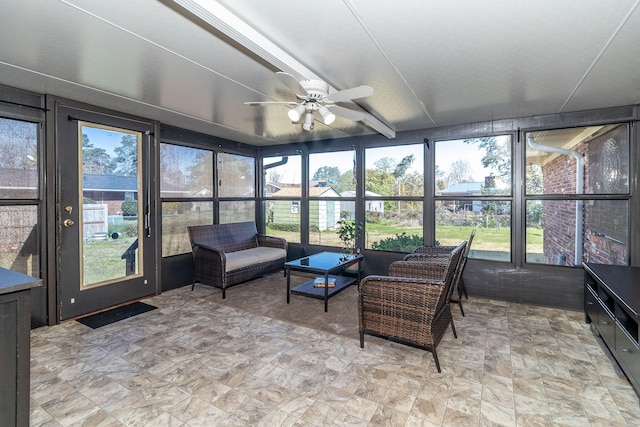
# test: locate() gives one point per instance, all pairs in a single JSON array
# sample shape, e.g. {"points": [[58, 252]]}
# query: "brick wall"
{"points": [[604, 222]]}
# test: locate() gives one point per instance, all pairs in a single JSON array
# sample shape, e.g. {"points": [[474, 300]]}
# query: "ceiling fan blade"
{"points": [[346, 113], [292, 83], [349, 94], [258, 103]]}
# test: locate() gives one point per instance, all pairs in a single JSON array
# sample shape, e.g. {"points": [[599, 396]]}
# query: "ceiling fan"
{"points": [[313, 96]]}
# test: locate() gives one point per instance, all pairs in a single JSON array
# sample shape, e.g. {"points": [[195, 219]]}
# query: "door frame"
{"points": [[59, 114]]}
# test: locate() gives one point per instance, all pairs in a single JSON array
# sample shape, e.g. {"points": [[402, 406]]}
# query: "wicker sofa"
{"points": [[228, 254]]}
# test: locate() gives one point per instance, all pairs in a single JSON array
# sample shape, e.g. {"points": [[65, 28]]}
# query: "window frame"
{"points": [[584, 198], [509, 197]]}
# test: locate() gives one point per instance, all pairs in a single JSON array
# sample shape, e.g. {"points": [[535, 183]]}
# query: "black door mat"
{"points": [[108, 317]]}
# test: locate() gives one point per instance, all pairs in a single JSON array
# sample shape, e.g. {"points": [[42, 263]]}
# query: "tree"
{"points": [[199, 173], [95, 160], [460, 172], [235, 175], [274, 176], [345, 182], [401, 168], [326, 173], [380, 182], [126, 161], [400, 171], [413, 184], [385, 165], [441, 182], [170, 170], [534, 179], [497, 155], [18, 144]]}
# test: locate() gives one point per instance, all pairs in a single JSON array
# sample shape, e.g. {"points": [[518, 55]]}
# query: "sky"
{"points": [[103, 138], [447, 152]]}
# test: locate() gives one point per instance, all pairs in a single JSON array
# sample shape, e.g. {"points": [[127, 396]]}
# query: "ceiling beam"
{"points": [[223, 20]]}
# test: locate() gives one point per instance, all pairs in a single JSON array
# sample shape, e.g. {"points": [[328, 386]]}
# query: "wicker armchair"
{"points": [[426, 252], [411, 304]]}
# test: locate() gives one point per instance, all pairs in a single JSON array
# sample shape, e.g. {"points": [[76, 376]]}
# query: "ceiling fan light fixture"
{"points": [[296, 113], [327, 116], [308, 122]]}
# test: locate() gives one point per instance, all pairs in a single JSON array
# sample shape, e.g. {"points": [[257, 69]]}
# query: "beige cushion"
{"points": [[246, 257]]}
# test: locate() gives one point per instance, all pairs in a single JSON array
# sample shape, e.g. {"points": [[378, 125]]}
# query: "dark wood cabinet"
{"points": [[15, 331], [612, 304]]}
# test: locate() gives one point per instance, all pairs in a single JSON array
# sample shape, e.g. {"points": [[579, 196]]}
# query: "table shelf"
{"points": [[309, 289]]}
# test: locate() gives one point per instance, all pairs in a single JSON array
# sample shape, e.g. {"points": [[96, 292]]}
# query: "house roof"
{"points": [[464, 188], [313, 192], [114, 183], [352, 193]]}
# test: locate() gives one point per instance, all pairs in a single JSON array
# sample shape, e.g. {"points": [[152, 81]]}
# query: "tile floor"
{"points": [[193, 362]]}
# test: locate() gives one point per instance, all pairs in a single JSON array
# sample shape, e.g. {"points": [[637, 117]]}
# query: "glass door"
{"points": [[104, 216]]}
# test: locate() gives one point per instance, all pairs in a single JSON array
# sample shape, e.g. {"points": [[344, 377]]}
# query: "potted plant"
{"points": [[349, 231]]}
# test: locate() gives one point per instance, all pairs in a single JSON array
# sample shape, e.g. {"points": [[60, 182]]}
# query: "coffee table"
{"points": [[327, 264]]}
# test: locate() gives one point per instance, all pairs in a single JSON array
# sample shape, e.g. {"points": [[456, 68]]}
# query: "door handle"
{"points": [[68, 222]]}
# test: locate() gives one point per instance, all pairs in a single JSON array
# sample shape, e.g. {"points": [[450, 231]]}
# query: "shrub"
{"points": [[170, 208], [284, 227], [130, 207], [348, 233], [131, 228], [398, 243]]}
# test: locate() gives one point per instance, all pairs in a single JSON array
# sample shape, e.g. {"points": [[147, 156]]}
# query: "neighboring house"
{"points": [[464, 189], [270, 188], [323, 214], [110, 190], [349, 206]]}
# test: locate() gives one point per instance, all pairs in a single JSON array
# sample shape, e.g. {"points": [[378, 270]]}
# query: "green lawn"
{"points": [[487, 240], [102, 260]]}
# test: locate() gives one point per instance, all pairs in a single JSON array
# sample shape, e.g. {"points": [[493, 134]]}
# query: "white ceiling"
{"points": [[431, 63]]}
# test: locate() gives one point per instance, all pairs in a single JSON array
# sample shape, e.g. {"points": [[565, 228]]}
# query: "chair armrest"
{"points": [[209, 265], [272, 241], [434, 269], [209, 258], [421, 256], [408, 292], [434, 250], [201, 246]]}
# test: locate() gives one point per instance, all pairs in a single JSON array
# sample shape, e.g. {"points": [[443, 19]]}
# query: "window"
{"points": [[394, 191], [236, 188], [237, 211], [580, 164], [283, 193], [473, 187], [19, 160], [19, 196], [331, 194], [236, 175], [186, 188]]}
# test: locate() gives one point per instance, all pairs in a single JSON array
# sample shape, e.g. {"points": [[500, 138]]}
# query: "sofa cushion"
{"points": [[253, 256]]}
